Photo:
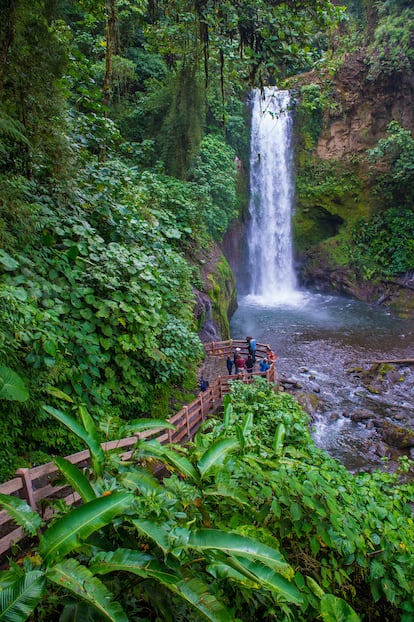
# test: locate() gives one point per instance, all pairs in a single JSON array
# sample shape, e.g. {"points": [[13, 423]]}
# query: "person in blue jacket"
{"points": [[264, 366], [251, 343]]}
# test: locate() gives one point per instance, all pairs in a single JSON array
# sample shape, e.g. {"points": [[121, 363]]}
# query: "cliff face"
{"points": [[366, 109], [217, 300], [328, 211]]}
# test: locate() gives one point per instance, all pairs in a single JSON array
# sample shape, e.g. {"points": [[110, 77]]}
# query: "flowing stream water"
{"points": [[318, 338]]}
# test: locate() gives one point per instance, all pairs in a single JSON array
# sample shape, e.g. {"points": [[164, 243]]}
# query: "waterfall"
{"points": [[269, 239]]}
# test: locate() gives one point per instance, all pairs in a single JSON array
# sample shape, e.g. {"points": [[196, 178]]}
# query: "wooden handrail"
{"points": [[38, 485]]}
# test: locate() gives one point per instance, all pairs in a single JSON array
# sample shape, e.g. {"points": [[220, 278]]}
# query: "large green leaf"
{"points": [[236, 544], [79, 612], [12, 386], [71, 531], [228, 417], [156, 532], [141, 480], [97, 453], [140, 425], [173, 458], [190, 588], [268, 578], [216, 454], [334, 609], [79, 580], [18, 601], [22, 513], [75, 478], [279, 438], [97, 457], [136, 562]]}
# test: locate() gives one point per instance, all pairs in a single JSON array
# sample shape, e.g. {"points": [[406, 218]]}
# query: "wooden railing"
{"points": [[226, 348], [39, 486]]}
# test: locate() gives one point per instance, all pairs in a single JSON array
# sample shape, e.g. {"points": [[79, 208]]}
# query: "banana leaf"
{"points": [[220, 570], [247, 424], [216, 454], [156, 532], [75, 478], [96, 451], [236, 544], [140, 480], [171, 457], [140, 425], [59, 394], [136, 562], [81, 582], [88, 424], [279, 438], [228, 417], [21, 512], [71, 531], [190, 588], [268, 578], [18, 601]]}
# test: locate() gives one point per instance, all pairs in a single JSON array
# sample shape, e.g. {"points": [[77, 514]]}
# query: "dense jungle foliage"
{"points": [[120, 123], [123, 124]]}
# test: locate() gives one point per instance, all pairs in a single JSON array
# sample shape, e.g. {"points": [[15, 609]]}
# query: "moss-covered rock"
{"points": [[216, 300]]}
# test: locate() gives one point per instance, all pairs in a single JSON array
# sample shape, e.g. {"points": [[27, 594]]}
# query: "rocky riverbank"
{"points": [[388, 388]]}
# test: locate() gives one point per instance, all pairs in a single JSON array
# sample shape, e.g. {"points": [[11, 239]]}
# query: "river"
{"points": [[319, 338]]}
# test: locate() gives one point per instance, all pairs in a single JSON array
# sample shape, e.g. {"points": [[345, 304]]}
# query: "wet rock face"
{"points": [[204, 316], [367, 107]]}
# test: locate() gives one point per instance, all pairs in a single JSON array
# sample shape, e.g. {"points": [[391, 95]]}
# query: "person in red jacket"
{"points": [[240, 364]]}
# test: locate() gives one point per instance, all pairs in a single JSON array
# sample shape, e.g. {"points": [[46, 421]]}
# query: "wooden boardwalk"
{"points": [[39, 487]]}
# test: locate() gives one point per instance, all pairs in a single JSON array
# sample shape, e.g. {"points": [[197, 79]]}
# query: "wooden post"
{"points": [[24, 473], [219, 384], [202, 407], [185, 409]]}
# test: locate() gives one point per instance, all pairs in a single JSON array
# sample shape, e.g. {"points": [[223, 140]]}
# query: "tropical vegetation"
{"points": [[124, 144], [250, 521]]}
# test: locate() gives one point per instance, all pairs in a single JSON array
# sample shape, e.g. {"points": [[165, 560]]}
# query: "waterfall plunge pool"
{"points": [[318, 339]]}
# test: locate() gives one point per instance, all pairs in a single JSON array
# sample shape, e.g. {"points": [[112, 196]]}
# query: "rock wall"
{"points": [[357, 119], [217, 300], [366, 107]]}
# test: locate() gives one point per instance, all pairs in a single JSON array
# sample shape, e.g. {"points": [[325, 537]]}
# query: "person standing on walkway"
{"points": [[240, 364], [236, 356], [251, 344], [264, 366], [249, 364], [229, 363], [271, 356]]}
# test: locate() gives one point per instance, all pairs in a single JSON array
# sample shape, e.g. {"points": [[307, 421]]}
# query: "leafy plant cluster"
{"points": [[250, 521], [391, 50], [104, 309], [384, 244], [215, 170]]}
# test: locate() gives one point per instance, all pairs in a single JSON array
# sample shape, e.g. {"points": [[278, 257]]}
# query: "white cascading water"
{"points": [[269, 239]]}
